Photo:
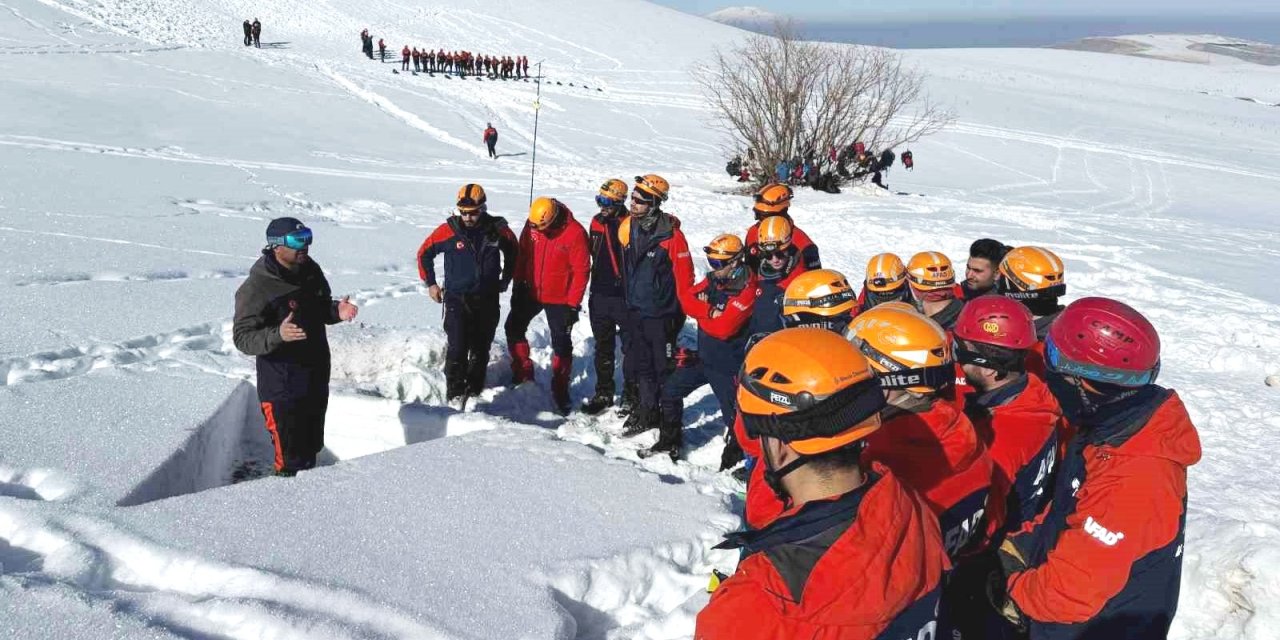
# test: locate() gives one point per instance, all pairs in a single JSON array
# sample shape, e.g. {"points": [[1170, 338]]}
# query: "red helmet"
{"points": [[996, 320], [1103, 340]]}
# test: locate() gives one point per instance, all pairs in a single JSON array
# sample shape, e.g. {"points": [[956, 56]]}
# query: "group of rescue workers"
{"points": [[923, 459], [462, 63]]}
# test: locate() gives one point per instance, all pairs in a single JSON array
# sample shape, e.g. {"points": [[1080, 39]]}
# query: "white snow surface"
{"points": [[144, 149]]}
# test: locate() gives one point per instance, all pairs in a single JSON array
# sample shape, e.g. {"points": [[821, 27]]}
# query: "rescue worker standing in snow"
{"points": [[822, 569], [479, 262], [933, 287], [607, 306], [775, 200], [404, 58], [780, 263], [656, 267], [886, 281], [281, 313], [1104, 560], [491, 140], [721, 304], [551, 275]]}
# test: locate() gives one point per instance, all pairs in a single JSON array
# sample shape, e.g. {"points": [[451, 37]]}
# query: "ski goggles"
{"points": [[1060, 363], [296, 240], [989, 356], [471, 212], [770, 249], [884, 284], [899, 376], [837, 323], [716, 260], [1018, 290], [825, 302], [605, 202]]}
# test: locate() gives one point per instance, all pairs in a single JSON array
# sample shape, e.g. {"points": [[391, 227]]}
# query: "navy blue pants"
{"points": [[470, 322], [560, 320], [296, 426], [653, 346], [687, 379], [610, 319]]}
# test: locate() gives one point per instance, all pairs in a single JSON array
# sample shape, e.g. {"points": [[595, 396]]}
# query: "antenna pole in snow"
{"points": [[537, 107]]}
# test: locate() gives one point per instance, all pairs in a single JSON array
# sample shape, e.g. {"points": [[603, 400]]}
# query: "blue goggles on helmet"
{"points": [[1060, 363], [605, 202], [296, 240]]}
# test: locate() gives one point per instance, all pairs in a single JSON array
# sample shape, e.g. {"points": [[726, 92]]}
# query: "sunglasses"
{"points": [[297, 240], [470, 213], [605, 202], [773, 250], [1061, 364]]}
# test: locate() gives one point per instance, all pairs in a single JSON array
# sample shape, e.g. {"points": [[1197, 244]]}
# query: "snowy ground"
{"points": [[143, 150]]}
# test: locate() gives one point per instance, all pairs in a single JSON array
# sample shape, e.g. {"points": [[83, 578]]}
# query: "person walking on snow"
{"points": [[1104, 560], [257, 33], [855, 554], [552, 268], [721, 304], [248, 33], [479, 262], [282, 310], [404, 58], [607, 307], [656, 267], [491, 140]]}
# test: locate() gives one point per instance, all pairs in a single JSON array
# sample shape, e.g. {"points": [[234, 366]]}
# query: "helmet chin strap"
{"points": [[773, 477]]}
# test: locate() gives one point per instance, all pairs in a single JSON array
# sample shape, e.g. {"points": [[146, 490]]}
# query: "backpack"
{"points": [[906, 159], [886, 159]]}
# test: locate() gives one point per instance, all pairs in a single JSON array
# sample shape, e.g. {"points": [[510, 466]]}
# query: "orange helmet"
{"points": [[654, 186], [544, 212], [885, 272], [724, 250], [909, 350], [819, 297], [898, 305], [471, 197], [773, 199], [614, 190], [774, 234], [1032, 273], [930, 271], [809, 388]]}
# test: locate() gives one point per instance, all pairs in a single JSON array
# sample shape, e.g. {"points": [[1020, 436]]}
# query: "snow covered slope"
{"points": [[144, 150]]}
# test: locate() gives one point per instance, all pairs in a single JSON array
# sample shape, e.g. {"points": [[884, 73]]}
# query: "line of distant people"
{"points": [[841, 163], [463, 63]]}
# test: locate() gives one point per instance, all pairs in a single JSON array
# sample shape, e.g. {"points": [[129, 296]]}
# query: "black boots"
{"points": [[670, 439], [640, 421], [732, 454], [630, 398], [596, 404]]}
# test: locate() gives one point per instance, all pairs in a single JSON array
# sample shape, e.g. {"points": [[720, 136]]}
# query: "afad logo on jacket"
{"points": [[1104, 535]]}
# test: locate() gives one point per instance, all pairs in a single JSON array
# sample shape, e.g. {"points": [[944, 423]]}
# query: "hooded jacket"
{"points": [[656, 266], [827, 570], [935, 450], [1105, 559], [555, 264]]}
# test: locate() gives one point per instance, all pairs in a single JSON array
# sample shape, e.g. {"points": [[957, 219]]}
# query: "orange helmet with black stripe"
{"points": [[774, 234], [1032, 273], [821, 298], [885, 272], [809, 388], [908, 350], [930, 271], [471, 197], [773, 199], [654, 186]]}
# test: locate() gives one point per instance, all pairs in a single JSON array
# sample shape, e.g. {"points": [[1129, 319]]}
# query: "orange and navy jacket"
{"points": [[1105, 559], [766, 317], [606, 255], [555, 264], [799, 239], [722, 340], [937, 452], [827, 570], [1018, 423], [656, 266], [476, 260]]}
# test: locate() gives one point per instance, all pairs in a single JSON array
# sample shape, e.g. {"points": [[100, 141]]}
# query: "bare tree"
{"points": [[785, 98]]}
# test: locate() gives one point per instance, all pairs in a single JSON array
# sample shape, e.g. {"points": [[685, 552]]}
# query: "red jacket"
{"points": [[1105, 559], [555, 264], [490, 133], [1020, 429], [872, 569], [405, 51], [734, 312], [937, 452]]}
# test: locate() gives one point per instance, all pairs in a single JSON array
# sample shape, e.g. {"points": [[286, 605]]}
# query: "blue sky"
{"points": [[853, 9]]}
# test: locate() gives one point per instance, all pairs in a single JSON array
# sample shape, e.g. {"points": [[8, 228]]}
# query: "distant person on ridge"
{"points": [[417, 57], [404, 58], [248, 33], [382, 49], [491, 140], [282, 309], [257, 33]]}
